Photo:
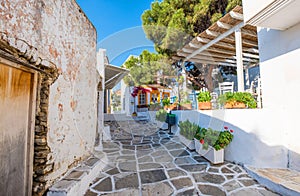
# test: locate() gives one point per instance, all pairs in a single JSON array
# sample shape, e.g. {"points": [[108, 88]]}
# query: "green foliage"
{"points": [[161, 115], [166, 102], [172, 23], [243, 97], [214, 138], [188, 129], [204, 96], [232, 3], [145, 69], [226, 97], [185, 101]]}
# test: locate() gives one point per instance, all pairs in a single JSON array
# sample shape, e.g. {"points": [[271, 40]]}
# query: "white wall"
{"points": [[279, 67], [256, 141]]}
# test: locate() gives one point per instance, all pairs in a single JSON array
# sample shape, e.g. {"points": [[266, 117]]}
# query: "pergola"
{"points": [[228, 42]]}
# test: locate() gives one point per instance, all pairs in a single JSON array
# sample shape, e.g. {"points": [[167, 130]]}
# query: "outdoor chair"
{"points": [[225, 87]]}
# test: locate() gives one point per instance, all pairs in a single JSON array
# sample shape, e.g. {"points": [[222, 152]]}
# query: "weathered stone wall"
{"points": [[63, 34]]}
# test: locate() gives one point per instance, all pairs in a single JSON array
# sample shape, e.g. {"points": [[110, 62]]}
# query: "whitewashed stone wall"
{"points": [[62, 34]]}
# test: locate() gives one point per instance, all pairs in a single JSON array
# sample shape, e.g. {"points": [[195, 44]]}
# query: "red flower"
{"points": [[231, 130], [225, 127], [202, 141]]}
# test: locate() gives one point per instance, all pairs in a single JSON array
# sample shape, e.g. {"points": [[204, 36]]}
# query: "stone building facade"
{"points": [[56, 40]]}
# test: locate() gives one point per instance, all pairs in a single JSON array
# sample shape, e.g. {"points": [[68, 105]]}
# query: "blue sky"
{"points": [[119, 26]]}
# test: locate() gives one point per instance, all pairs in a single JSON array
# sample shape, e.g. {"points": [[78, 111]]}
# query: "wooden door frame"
{"points": [[31, 121]]}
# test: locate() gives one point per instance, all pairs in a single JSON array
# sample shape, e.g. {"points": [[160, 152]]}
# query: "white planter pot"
{"points": [[188, 143], [210, 154]]}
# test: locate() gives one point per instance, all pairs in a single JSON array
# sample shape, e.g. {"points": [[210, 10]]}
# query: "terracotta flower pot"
{"points": [[228, 106], [239, 105], [186, 106], [204, 105]]}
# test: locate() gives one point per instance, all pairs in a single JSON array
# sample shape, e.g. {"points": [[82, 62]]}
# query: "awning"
{"points": [[113, 75], [229, 42], [217, 44]]}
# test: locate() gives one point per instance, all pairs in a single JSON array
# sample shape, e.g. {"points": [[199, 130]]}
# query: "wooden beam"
{"points": [[212, 33], [249, 32], [236, 15], [224, 25]]}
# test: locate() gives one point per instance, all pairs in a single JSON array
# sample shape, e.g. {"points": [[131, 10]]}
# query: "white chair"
{"points": [[225, 87]]}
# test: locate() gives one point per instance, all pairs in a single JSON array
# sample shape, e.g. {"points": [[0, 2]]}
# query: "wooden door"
{"points": [[16, 129]]}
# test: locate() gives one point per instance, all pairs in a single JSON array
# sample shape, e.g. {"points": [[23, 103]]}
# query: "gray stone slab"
{"points": [[173, 173], [141, 153], [190, 192], [91, 162], [164, 159], [159, 153], [232, 185], [90, 193], [213, 170], [162, 188], [211, 190], [207, 177], [129, 147], [248, 182], [127, 166], [238, 169], [179, 153], [143, 147], [147, 166], [75, 175], [126, 158], [200, 159], [152, 176], [128, 152], [184, 160], [182, 183], [104, 185], [129, 181], [194, 168], [145, 159], [113, 171], [110, 145], [226, 170], [174, 146]]}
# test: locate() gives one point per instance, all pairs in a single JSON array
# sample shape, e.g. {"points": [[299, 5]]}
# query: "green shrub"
{"points": [[188, 129], [204, 96], [214, 138], [161, 115]]}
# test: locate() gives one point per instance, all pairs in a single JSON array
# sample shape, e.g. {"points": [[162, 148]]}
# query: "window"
{"points": [[142, 98], [154, 97]]}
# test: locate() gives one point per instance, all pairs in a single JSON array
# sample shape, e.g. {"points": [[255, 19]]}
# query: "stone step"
{"points": [[77, 180], [283, 181]]}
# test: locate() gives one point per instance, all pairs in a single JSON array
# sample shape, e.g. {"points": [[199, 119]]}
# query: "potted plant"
{"points": [[237, 100], [187, 130], [211, 143], [186, 104], [204, 99], [166, 103]]}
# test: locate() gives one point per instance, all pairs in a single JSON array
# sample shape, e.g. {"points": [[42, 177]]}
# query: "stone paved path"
{"points": [[146, 161]]}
